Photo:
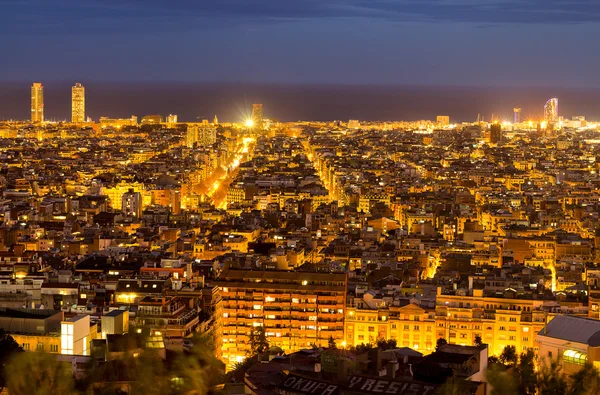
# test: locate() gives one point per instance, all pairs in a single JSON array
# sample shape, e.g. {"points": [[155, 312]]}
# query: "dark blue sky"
{"points": [[450, 42]]}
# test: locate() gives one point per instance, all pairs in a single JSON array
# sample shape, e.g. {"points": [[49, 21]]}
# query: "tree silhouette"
{"points": [[525, 369], [440, 342], [8, 347], [37, 373], [586, 381], [478, 342], [331, 342], [454, 386], [501, 380], [387, 344], [551, 380], [258, 342], [509, 356]]}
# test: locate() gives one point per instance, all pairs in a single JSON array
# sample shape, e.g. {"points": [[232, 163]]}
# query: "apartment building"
{"points": [[459, 318], [296, 309]]}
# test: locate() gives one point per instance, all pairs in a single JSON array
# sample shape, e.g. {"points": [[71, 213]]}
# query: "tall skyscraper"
{"points": [[551, 110], [516, 115], [37, 102], [257, 115], [78, 103]]}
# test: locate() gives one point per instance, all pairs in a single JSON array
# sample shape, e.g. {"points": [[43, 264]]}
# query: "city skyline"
{"points": [[421, 107]]}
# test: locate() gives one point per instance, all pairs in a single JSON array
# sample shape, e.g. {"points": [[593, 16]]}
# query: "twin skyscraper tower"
{"points": [[77, 103]]}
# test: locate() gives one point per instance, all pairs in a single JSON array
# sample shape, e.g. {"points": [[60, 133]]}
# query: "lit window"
{"points": [[575, 357]]}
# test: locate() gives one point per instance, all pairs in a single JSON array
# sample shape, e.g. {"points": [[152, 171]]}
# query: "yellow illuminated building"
{"points": [[118, 122], [33, 342], [37, 102], [116, 192], [295, 309], [78, 103], [411, 326], [500, 322]]}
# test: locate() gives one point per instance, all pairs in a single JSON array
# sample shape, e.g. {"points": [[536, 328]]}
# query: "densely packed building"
{"points": [[314, 232]]}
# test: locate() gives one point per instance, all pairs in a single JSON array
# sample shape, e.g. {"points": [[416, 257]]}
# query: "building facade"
{"points": [[37, 102], [78, 103], [459, 319], [296, 310], [131, 204]]}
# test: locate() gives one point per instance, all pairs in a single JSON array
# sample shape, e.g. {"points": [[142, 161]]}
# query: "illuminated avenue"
{"points": [[332, 240]]}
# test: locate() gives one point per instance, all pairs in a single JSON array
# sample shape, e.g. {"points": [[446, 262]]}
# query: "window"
{"points": [[25, 346], [54, 348], [525, 339], [371, 329], [39, 347], [406, 327], [575, 357], [416, 327], [66, 338]]}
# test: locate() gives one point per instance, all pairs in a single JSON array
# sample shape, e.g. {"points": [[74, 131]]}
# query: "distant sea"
{"points": [[233, 102]]}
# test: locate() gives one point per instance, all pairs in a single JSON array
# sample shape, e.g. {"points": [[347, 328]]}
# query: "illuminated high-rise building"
{"points": [[296, 309], [516, 115], [37, 102], [78, 103], [551, 110], [257, 115]]}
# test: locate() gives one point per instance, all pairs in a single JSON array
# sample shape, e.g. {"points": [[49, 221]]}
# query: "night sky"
{"points": [[531, 49], [450, 42]]}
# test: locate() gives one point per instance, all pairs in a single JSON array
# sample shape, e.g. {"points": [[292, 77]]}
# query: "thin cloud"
{"points": [[106, 16]]}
